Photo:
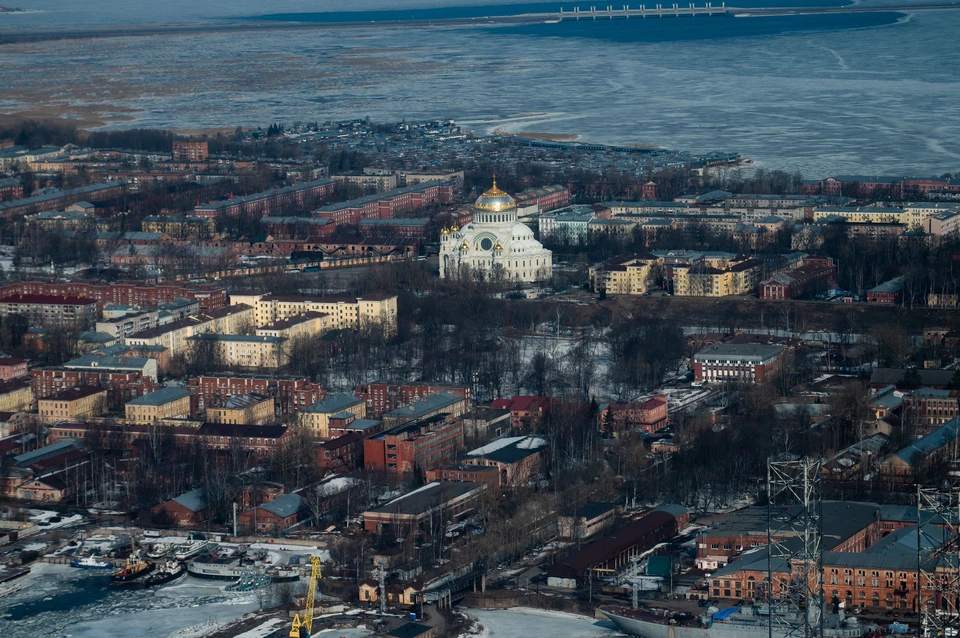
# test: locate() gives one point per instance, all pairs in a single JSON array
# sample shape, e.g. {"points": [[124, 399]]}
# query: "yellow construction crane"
{"points": [[302, 627]]}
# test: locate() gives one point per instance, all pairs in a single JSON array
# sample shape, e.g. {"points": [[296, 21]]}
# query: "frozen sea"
{"points": [[61, 601], [864, 93]]}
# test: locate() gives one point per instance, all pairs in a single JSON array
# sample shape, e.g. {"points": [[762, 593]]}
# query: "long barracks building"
{"points": [[271, 202], [137, 293]]}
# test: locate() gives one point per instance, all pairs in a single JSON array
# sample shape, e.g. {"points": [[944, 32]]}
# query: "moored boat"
{"points": [[169, 571], [737, 622], [192, 549], [90, 562]]}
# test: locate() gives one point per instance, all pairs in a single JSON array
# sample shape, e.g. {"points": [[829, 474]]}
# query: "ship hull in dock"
{"points": [[647, 629]]}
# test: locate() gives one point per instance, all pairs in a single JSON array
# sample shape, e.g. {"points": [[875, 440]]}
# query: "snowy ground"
{"points": [[57, 600], [523, 622]]}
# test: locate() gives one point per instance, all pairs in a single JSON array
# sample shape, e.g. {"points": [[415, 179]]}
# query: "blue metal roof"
{"points": [[940, 437]]}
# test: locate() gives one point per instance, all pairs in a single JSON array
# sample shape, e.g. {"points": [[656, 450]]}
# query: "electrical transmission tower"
{"points": [[795, 556], [938, 559]]}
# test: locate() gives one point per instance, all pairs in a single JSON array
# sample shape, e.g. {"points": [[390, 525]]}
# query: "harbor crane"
{"points": [[302, 627]]}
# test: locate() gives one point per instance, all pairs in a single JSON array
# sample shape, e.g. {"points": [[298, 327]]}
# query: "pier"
{"points": [[626, 12]]}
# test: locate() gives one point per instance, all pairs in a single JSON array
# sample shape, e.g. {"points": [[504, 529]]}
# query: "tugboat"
{"points": [[134, 568], [171, 570], [89, 562]]}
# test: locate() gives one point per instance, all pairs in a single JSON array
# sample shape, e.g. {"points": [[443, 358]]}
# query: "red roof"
{"points": [[49, 299]]}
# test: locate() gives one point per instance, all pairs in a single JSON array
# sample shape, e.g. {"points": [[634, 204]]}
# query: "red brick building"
{"points": [[185, 151], [384, 397], [462, 472], [547, 198], [10, 188], [256, 439], [647, 416], [140, 294], [60, 199], [749, 363], [275, 515], [650, 191], [187, 510], [121, 385], [889, 293], [271, 202], [813, 273], [417, 446], [342, 454], [292, 394], [394, 203], [525, 411]]}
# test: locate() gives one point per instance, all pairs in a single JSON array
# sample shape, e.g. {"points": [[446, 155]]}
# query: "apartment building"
{"points": [[138, 294], [51, 310], [738, 277], [447, 402], [187, 151], [246, 351], [309, 324], [15, 395], [73, 403], [13, 368], [342, 312], [168, 403], [268, 202], [622, 275]]}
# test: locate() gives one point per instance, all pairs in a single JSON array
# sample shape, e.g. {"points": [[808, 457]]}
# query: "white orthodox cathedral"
{"points": [[494, 241]]}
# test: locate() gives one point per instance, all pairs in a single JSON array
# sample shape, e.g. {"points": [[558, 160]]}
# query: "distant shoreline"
{"points": [[41, 35]]}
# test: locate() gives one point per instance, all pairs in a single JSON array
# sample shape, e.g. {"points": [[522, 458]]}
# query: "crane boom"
{"points": [[302, 627]]}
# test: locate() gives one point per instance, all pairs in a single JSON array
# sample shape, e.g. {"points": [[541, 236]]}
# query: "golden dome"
{"points": [[464, 246], [499, 246], [444, 231], [454, 228], [495, 200]]}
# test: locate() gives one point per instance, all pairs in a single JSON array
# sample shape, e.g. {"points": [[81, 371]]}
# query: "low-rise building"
{"points": [[73, 403], [889, 293], [517, 459], [587, 521], [745, 363], [447, 402], [276, 515], [243, 409], [168, 403], [930, 407], [525, 410], [256, 439], [316, 417], [940, 443], [187, 510], [358, 313], [12, 368], [406, 514], [644, 416]]}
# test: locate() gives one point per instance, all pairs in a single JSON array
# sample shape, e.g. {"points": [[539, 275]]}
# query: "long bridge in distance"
{"points": [[609, 12]]}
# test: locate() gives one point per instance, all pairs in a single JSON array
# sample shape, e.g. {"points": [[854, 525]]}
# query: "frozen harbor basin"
{"points": [[525, 622]]}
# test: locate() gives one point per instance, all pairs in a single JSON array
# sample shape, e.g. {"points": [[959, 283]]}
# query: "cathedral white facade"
{"points": [[494, 243]]}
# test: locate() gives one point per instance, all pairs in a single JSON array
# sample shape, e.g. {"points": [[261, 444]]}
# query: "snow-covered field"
{"points": [[524, 622]]}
